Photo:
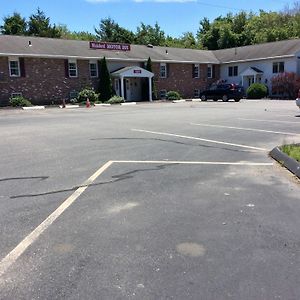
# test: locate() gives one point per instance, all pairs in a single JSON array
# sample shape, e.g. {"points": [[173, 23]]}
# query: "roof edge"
{"points": [[255, 59], [107, 58]]}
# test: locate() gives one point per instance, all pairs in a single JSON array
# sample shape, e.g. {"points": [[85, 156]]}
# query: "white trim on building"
{"points": [[133, 72]]}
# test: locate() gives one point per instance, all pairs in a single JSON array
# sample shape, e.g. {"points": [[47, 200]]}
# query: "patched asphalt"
{"points": [[150, 230]]}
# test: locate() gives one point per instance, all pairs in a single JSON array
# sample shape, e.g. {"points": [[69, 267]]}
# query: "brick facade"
{"points": [[45, 81], [180, 78]]}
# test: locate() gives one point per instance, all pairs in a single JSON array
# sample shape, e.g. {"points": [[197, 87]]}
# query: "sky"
{"points": [[174, 16]]}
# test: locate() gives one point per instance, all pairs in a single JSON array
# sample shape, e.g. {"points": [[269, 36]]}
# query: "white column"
{"points": [[150, 89], [122, 87], [255, 78], [242, 80]]}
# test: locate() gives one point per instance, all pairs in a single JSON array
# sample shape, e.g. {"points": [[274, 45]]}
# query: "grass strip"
{"points": [[292, 150]]}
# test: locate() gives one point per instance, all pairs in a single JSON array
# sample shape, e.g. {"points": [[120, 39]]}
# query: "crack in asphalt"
{"points": [[25, 178], [119, 177]]}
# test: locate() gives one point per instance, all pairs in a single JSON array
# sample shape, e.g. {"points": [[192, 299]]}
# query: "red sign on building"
{"points": [[110, 46]]}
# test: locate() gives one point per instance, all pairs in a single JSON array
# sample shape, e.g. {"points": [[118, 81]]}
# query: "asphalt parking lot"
{"points": [[153, 201]]}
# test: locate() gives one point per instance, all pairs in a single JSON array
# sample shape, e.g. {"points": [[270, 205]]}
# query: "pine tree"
{"points": [[149, 68], [105, 86], [14, 25], [39, 25], [149, 65]]}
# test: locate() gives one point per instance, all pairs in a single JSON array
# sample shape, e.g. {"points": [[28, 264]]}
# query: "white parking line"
{"points": [[223, 163], [291, 115], [247, 129], [200, 139], [272, 121], [11, 257]]}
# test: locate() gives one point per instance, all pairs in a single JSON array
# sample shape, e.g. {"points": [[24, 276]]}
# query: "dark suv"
{"points": [[224, 92]]}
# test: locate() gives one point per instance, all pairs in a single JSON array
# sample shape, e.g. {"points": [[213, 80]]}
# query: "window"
{"points": [[14, 67], [93, 69], [16, 95], [196, 73], [209, 71], [233, 71], [72, 68], [196, 93], [278, 67], [163, 94], [73, 94], [163, 71]]}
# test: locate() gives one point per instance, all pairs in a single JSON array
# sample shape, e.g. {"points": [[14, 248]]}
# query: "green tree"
{"points": [[238, 27], [65, 33], [209, 40], [149, 65], [39, 25], [145, 86], [267, 27], [83, 35], [227, 38], [188, 40], [14, 25], [110, 31], [105, 86], [173, 42], [204, 26], [248, 28], [147, 34]]}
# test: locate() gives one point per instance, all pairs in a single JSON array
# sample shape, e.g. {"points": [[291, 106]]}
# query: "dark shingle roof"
{"points": [[259, 51], [46, 47], [256, 70]]}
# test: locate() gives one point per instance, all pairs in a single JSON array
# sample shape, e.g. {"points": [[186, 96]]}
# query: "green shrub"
{"points": [[87, 93], [19, 101], [172, 95], [257, 91], [73, 101], [116, 100]]}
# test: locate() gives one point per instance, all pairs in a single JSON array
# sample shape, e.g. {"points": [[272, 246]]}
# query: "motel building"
{"points": [[48, 70]]}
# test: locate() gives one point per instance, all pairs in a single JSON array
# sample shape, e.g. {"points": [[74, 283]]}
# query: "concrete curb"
{"points": [[102, 104], [69, 106], [178, 101], [288, 162], [33, 107], [128, 103]]}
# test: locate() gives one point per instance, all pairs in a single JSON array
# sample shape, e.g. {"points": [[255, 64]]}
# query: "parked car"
{"points": [[224, 92], [298, 99]]}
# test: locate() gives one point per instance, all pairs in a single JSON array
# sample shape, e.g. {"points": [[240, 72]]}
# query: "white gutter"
{"points": [[108, 59], [255, 59], [143, 60]]}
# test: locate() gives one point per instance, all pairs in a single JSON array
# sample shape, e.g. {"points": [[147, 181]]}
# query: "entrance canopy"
{"points": [[252, 74], [134, 72], [252, 71]]}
